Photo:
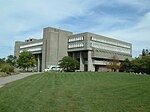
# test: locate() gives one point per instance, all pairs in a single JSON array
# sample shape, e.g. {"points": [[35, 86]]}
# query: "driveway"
{"points": [[5, 80]]}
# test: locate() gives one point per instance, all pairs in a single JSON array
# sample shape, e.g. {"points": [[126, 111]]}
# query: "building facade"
{"points": [[93, 51]]}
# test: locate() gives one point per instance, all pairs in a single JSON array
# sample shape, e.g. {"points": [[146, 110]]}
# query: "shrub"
{"points": [[68, 63], [7, 68]]}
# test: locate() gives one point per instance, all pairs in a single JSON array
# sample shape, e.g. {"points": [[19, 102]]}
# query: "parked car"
{"points": [[78, 71], [53, 68]]}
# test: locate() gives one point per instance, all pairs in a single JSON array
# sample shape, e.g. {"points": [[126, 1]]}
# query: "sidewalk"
{"points": [[5, 80]]}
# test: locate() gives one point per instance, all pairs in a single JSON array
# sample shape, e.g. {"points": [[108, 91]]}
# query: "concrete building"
{"points": [[93, 51]]}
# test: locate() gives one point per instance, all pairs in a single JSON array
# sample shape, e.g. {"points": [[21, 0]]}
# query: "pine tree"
{"points": [[143, 52]]}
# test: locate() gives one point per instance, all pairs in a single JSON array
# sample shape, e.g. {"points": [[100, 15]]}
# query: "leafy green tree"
{"points": [[68, 63], [141, 64], [11, 59], [125, 66], [145, 64], [136, 64], [2, 61], [114, 64], [143, 52], [26, 60]]}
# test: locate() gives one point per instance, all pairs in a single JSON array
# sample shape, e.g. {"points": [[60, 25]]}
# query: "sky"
{"points": [[126, 20]]}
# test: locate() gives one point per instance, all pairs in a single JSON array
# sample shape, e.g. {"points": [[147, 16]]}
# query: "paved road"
{"points": [[5, 80]]}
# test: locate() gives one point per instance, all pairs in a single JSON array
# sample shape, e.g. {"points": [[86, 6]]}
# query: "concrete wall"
{"points": [[17, 48], [108, 55], [54, 46]]}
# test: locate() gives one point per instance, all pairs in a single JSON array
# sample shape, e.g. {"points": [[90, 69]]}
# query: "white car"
{"points": [[53, 68]]}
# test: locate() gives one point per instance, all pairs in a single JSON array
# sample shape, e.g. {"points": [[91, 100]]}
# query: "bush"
{"points": [[69, 64], [7, 68]]}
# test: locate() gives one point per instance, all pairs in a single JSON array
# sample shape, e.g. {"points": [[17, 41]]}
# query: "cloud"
{"points": [[106, 15], [124, 19], [128, 22], [138, 35], [20, 18]]}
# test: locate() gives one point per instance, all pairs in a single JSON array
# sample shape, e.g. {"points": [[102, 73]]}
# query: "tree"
{"points": [[114, 64], [26, 60], [68, 63], [146, 52], [145, 62], [143, 52], [141, 64], [11, 60], [136, 64], [2, 61], [125, 66]]}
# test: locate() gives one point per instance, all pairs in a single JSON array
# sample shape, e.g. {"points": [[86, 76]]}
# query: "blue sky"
{"points": [[127, 20]]}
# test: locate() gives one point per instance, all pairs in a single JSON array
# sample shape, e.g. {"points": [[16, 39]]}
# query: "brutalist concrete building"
{"points": [[92, 51]]}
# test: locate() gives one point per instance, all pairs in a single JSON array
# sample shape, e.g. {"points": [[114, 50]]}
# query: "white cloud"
{"points": [[19, 15], [20, 19], [138, 35]]}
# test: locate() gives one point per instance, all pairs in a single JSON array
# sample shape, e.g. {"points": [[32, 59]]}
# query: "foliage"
{"points": [[2, 61], [7, 68], [136, 65], [68, 63], [11, 59], [145, 52], [141, 64], [125, 66], [7, 65], [114, 64], [26, 60], [77, 92]]}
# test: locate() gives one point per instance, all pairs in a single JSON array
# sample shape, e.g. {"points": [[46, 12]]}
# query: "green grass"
{"points": [[77, 92]]}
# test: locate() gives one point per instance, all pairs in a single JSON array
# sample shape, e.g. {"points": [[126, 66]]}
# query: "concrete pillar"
{"points": [[17, 48], [81, 62], [90, 63], [38, 69]]}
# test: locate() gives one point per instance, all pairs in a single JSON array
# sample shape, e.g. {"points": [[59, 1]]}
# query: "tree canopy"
{"points": [[2, 61], [125, 66], [138, 65], [11, 60], [7, 64], [141, 64], [114, 64], [68, 63], [145, 52], [26, 60]]}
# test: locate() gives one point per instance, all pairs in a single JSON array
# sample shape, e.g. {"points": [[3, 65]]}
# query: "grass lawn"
{"points": [[77, 92]]}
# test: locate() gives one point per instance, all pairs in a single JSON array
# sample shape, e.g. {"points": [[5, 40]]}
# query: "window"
{"points": [[109, 42], [76, 45], [76, 39], [110, 47]]}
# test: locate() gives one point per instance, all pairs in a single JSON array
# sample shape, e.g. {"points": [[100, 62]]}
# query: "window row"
{"points": [[32, 49], [76, 45], [109, 42], [111, 48], [76, 39], [31, 45]]}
